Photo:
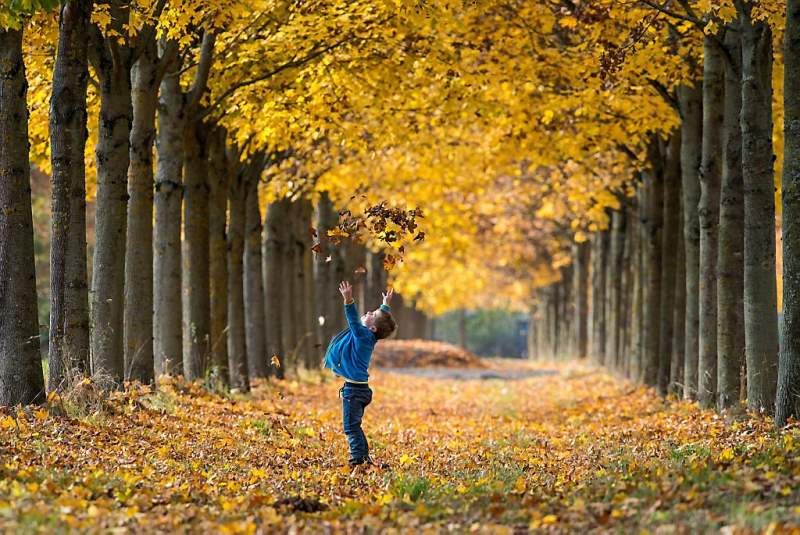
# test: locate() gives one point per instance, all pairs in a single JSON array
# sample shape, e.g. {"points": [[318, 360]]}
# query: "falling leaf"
{"points": [[360, 270], [275, 361]]}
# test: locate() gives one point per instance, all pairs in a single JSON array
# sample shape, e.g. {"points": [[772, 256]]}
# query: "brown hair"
{"points": [[384, 325]]}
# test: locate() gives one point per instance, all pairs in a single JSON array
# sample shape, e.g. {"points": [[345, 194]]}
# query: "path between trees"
{"points": [[566, 449], [508, 374]]}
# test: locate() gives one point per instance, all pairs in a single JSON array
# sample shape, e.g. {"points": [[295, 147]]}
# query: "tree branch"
{"points": [[665, 94], [277, 70], [147, 33], [203, 69]]}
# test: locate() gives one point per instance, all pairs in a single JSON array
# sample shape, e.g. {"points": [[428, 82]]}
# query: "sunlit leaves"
{"points": [[577, 450]]}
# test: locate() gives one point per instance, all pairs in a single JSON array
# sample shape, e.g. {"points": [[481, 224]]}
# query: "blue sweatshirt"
{"points": [[350, 351]]}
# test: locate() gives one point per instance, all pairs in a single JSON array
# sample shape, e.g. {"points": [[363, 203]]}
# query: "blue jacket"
{"points": [[350, 351]]}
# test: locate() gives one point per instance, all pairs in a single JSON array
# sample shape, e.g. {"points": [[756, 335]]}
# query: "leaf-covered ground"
{"points": [[572, 452]]}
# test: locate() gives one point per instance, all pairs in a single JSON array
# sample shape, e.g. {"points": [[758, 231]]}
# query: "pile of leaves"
{"points": [[423, 354], [573, 452]]}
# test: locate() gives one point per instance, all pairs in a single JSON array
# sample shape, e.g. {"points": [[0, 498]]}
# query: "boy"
{"points": [[348, 356]]}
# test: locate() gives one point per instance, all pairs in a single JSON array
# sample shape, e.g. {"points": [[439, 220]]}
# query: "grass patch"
{"points": [[410, 488]]}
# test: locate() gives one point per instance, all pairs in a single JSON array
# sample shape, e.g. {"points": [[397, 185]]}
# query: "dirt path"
{"points": [[470, 374]]}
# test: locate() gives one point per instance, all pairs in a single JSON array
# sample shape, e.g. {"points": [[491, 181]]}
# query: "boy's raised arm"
{"points": [[350, 311], [387, 299]]}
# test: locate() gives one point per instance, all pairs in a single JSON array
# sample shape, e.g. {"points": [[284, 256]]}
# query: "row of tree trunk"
{"points": [[187, 278], [683, 282]]}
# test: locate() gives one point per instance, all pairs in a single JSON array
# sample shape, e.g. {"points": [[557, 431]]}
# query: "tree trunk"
{"points": [[531, 338], [69, 301], [651, 248], [237, 337], [195, 276], [356, 261], [375, 285], [312, 341], [670, 237], [614, 288], [760, 293], [255, 321], [541, 324], [599, 248], [730, 268], [275, 283], [788, 394], [678, 321], [565, 314], [111, 61], [220, 172], [691, 103], [21, 378], [290, 294], [330, 270], [708, 215], [168, 341], [580, 255], [637, 292], [299, 304], [631, 262], [138, 322], [553, 310]]}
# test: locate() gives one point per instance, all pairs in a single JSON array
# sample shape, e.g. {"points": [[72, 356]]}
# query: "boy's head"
{"points": [[381, 323]]}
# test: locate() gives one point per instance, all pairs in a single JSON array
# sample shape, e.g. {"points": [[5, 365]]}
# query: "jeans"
{"points": [[355, 398]]}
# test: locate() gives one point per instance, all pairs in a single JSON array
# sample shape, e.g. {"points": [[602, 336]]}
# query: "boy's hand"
{"points": [[387, 297], [346, 290]]}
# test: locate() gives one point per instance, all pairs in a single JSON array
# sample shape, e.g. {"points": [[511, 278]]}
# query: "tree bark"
{"points": [[541, 324], [237, 335], [670, 237], [111, 61], [566, 314], [69, 300], [651, 248], [195, 275], [179, 146], [626, 286], [531, 334], [21, 378], [691, 104], [613, 288], [167, 320], [376, 283], [330, 270], [255, 321], [788, 395], [138, 306], [581, 254], [553, 326], [299, 305], [599, 248], [730, 267], [678, 322], [220, 171], [289, 305], [760, 293], [276, 283], [708, 216], [312, 341], [637, 299]]}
